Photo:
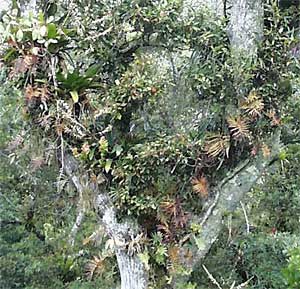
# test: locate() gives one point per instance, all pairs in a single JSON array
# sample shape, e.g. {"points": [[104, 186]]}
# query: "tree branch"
{"points": [[229, 193]]}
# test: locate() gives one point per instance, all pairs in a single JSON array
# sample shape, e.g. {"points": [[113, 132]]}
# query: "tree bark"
{"points": [[80, 210], [133, 272], [246, 26]]}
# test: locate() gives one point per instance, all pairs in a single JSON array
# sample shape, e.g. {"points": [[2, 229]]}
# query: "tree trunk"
{"points": [[132, 271]]}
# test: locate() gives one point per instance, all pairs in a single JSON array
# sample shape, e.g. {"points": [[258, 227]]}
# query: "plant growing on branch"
{"points": [[106, 105]]}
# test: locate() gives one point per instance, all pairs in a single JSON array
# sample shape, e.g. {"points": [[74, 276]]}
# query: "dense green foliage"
{"points": [[95, 80]]}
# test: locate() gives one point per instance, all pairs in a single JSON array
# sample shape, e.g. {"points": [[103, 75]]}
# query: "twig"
{"points": [[211, 277], [61, 171], [246, 217], [229, 228], [244, 284]]}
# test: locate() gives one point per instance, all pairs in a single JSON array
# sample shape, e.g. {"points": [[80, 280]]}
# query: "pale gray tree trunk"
{"points": [[81, 210], [246, 26], [133, 272]]}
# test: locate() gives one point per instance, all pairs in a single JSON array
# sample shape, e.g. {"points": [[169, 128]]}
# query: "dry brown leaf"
{"points": [[275, 119], [15, 143], [37, 163], [173, 253]]}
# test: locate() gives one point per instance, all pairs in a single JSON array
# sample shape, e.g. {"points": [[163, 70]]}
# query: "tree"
{"points": [[162, 115]]}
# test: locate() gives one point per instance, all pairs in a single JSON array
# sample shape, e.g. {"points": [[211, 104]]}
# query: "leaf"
{"points": [[265, 150], [108, 164], [160, 254], [52, 31], [74, 95], [95, 267], [118, 149], [9, 54], [73, 81], [103, 145], [35, 34], [173, 253], [92, 71], [144, 257], [19, 35], [43, 31], [110, 245], [91, 154]]}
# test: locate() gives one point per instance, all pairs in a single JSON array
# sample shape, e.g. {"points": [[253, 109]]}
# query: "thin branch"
{"points": [[246, 217], [77, 224], [211, 277], [244, 284], [210, 209], [229, 228]]}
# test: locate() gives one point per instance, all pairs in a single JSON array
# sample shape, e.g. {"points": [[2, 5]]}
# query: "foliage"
{"points": [[88, 83], [291, 272]]}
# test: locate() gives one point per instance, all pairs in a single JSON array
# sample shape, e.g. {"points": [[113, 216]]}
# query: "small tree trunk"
{"points": [[132, 271]]}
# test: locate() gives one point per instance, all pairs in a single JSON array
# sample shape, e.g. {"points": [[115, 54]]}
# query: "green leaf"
{"points": [[144, 257], [35, 34], [74, 95], [108, 165], [118, 149], [41, 17], [91, 154], [52, 31], [92, 71], [10, 54]]}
